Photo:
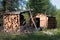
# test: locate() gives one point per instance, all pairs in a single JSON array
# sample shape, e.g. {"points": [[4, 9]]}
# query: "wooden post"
{"points": [[32, 20]]}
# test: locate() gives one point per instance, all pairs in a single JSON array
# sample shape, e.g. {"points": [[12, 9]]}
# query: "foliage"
{"points": [[42, 6], [39, 6], [51, 10], [1, 5], [27, 18], [10, 5], [58, 18]]}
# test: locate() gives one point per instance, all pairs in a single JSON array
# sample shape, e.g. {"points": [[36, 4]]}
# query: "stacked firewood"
{"points": [[11, 23]]}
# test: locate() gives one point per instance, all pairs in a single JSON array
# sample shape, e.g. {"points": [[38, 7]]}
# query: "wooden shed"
{"points": [[45, 21], [12, 21]]}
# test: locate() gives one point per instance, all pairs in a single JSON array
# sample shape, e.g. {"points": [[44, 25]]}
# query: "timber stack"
{"points": [[11, 22]]}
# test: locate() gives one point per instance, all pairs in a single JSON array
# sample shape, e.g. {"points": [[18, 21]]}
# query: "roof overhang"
{"points": [[18, 12]]}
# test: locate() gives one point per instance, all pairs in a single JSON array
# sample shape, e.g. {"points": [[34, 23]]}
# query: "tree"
{"points": [[1, 5], [10, 5], [41, 6], [51, 10]]}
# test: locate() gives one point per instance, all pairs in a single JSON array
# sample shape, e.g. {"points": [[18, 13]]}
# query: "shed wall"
{"points": [[52, 23], [43, 20]]}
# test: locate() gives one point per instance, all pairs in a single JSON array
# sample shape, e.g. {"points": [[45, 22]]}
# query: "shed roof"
{"points": [[38, 14], [16, 12]]}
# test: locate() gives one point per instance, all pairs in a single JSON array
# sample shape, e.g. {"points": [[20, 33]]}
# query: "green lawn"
{"points": [[53, 34]]}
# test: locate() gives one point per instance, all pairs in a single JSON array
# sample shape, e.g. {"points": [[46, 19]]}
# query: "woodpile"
{"points": [[11, 23]]}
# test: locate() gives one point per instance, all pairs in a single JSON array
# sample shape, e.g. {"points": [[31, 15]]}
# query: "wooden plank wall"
{"points": [[52, 23]]}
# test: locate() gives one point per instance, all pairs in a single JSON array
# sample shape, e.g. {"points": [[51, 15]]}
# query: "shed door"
{"points": [[37, 22]]}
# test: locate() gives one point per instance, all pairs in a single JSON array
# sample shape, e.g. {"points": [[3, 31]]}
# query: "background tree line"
{"points": [[39, 6], [42, 6]]}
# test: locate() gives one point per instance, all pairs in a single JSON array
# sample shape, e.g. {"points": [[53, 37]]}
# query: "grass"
{"points": [[34, 36]]}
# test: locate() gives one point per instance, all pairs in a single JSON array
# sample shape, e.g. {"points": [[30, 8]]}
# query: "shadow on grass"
{"points": [[32, 37]]}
